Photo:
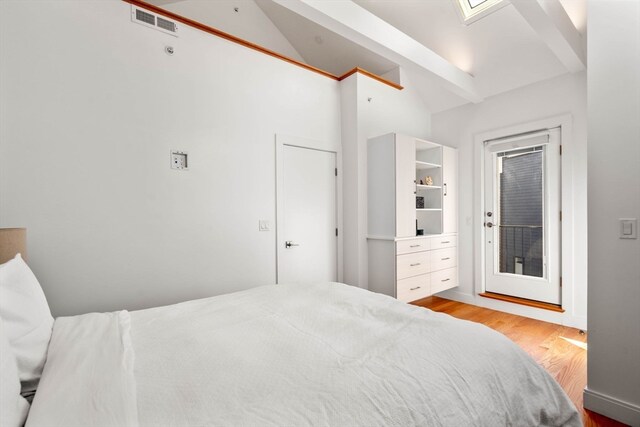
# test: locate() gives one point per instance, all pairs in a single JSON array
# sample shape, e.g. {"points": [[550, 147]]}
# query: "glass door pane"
{"points": [[520, 216]]}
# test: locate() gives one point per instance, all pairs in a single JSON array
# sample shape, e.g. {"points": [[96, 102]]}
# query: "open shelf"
{"points": [[426, 165], [422, 145], [428, 187]]}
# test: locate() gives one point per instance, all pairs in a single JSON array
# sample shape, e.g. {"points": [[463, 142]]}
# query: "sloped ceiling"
{"points": [[240, 18], [317, 45], [501, 50], [577, 11]]}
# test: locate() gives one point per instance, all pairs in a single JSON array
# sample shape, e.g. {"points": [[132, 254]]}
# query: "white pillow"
{"points": [[27, 320], [13, 407]]}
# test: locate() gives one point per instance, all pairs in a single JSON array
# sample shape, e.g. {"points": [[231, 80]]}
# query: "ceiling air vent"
{"points": [[147, 17], [154, 21], [166, 25]]}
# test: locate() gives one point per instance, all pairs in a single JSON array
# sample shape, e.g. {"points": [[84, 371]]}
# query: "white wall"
{"points": [[457, 127], [249, 22], [378, 109], [613, 384], [90, 107]]}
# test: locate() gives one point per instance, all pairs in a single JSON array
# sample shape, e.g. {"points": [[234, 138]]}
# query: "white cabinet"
{"points": [[409, 265], [412, 185], [405, 154], [391, 186], [449, 190], [411, 276]]}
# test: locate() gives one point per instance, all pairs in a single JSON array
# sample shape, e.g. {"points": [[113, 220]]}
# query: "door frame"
{"points": [[567, 262], [548, 286], [295, 141]]}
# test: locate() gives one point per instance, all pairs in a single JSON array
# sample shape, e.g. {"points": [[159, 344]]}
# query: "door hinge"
{"points": [[561, 149], [560, 215], [561, 282], [336, 231], [336, 171]]}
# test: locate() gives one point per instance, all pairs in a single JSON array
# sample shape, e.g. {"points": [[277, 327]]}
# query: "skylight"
{"points": [[472, 10], [474, 3]]}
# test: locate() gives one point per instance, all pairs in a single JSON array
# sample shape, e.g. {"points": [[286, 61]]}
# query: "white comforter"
{"points": [[285, 355]]}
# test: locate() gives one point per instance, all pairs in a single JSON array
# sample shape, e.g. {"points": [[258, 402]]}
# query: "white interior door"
{"points": [[307, 216], [522, 216]]}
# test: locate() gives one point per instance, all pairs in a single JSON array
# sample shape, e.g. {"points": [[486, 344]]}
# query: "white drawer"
{"points": [[414, 288], [444, 279], [412, 245], [410, 265], [444, 242], [444, 258]]}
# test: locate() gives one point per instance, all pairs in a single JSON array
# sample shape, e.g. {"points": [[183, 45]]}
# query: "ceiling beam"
{"points": [[362, 27], [549, 19]]}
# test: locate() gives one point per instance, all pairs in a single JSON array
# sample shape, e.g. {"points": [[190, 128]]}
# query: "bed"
{"points": [[324, 354]]}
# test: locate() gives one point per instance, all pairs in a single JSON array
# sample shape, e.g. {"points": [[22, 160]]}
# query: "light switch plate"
{"points": [[179, 160], [264, 225], [628, 228]]}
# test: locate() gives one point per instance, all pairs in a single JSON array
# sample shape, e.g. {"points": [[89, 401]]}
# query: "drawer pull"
{"points": [[415, 264], [445, 280], [446, 241], [444, 259], [414, 246], [413, 289]]}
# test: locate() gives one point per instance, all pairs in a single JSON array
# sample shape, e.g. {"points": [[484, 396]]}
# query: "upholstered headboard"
{"points": [[12, 241]]}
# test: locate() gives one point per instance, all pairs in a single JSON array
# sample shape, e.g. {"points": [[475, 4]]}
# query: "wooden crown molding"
{"points": [[371, 75], [245, 43]]}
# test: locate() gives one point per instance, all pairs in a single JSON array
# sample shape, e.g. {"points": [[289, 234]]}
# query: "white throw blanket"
{"points": [[88, 379], [291, 355]]}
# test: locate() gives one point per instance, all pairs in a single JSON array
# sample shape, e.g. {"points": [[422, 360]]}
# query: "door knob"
{"points": [[489, 224], [289, 244]]}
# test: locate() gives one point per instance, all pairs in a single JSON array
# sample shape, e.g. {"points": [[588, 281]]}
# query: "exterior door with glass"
{"points": [[522, 216]]}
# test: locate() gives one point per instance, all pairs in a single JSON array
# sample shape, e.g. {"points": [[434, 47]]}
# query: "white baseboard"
{"points": [[578, 322], [454, 295], [613, 408]]}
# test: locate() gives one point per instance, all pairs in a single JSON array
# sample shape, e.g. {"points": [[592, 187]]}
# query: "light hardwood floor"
{"points": [[549, 344]]}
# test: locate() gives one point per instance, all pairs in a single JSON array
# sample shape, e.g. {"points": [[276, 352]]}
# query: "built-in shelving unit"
{"points": [[429, 164], [403, 263], [426, 165]]}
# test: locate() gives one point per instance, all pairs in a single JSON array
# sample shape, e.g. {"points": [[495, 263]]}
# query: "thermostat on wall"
{"points": [[179, 160]]}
